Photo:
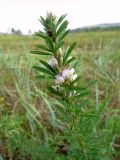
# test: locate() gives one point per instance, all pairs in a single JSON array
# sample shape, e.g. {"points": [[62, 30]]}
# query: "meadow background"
{"points": [[28, 112]]}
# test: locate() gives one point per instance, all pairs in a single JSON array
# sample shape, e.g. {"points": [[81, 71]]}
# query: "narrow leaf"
{"points": [[82, 94], [43, 70], [62, 27], [62, 35], [53, 28], [52, 90], [41, 52], [43, 21], [60, 20], [59, 45], [43, 47], [40, 34], [68, 51], [47, 66], [70, 60], [50, 43], [47, 39]]}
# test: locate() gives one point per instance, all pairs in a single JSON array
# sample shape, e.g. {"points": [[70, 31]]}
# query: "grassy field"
{"points": [[30, 121], [85, 41]]}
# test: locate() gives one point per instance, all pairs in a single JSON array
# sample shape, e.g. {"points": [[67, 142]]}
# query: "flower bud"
{"points": [[53, 62], [74, 77], [59, 79]]}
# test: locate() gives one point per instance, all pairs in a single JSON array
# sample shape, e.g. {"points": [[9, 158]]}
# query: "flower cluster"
{"points": [[65, 75]]}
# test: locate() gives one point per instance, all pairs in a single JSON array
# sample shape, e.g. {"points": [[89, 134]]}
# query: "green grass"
{"points": [[32, 123], [85, 41]]}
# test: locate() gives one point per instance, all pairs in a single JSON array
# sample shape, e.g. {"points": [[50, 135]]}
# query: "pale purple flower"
{"points": [[67, 73], [59, 79], [53, 62]]}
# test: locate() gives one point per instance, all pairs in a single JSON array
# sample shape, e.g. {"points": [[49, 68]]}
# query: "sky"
{"points": [[24, 14]]}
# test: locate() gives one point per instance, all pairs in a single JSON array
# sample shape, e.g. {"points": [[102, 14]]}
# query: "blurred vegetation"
{"points": [[30, 122], [85, 41]]}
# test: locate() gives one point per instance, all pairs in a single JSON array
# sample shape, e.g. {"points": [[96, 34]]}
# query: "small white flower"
{"points": [[72, 70], [74, 77], [53, 62], [59, 79], [67, 73]]}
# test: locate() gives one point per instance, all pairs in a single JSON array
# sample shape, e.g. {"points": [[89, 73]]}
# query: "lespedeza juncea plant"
{"points": [[60, 66]]}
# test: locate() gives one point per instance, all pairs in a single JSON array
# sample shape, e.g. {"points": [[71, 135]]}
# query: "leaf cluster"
{"points": [[53, 42]]}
